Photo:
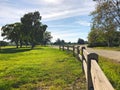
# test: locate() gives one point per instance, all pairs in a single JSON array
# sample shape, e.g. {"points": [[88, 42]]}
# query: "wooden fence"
{"points": [[96, 80]]}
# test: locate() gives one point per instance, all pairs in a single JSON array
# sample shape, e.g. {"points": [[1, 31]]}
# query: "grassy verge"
{"points": [[109, 48], [111, 70], [41, 68]]}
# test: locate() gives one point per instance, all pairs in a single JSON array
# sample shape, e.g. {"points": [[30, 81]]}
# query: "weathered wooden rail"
{"points": [[95, 78]]}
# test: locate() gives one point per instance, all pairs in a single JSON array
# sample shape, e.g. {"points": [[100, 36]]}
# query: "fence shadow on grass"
{"points": [[13, 50]]}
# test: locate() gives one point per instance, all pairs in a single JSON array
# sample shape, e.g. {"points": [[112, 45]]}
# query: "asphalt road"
{"points": [[114, 55]]}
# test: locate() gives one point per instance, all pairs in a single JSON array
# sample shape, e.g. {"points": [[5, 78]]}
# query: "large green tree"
{"points": [[29, 31], [33, 28], [104, 23], [12, 32]]}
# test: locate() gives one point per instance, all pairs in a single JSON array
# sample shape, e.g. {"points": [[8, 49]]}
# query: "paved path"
{"points": [[114, 55]]}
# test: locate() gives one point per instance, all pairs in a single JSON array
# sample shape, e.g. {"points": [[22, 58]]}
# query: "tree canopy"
{"points": [[105, 28], [29, 31], [80, 41]]}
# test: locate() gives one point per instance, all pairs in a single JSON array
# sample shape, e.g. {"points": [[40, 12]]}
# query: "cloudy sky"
{"points": [[66, 19]]}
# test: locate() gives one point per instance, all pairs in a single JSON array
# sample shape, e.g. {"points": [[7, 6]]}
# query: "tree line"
{"points": [[30, 31], [63, 42], [105, 28]]}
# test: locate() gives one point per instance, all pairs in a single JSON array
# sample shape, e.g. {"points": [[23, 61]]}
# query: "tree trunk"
{"points": [[108, 43], [32, 45], [0, 48], [26, 45], [20, 43], [16, 44]]}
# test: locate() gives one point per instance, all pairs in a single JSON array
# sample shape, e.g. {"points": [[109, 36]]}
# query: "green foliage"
{"points": [[46, 38], [38, 68], [12, 32], [81, 41], [96, 38], [105, 24], [3, 43], [111, 70], [59, 42], [33, 28], [29, 31]]}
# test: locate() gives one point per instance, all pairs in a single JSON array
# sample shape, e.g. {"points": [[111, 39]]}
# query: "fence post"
{"points": [[82, 48], [59, 47], [63, 47], [68, 47], [73, 50], [78, 50], [91, 56]]}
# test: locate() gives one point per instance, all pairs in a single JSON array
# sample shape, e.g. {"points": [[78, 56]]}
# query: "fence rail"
{"points": [[96, 79]]}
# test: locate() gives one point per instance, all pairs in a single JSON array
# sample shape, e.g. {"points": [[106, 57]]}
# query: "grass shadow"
{"points": [[38, 48], [14, 50]]}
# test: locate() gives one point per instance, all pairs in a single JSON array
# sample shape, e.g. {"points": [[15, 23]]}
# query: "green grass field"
{"points": [[109, 48], [41, 68], [47, 68], [111, 70]]}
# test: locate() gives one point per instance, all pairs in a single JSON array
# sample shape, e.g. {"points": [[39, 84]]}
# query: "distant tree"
{"points": [[12, 32], [46, 37], [80, 41], [96, 38], [62, 42], [86, 42], [3, 43], [69, 43], [58, 42]]}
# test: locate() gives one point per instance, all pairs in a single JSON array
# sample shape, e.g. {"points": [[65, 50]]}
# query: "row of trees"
{"points": [[3, 43], [62, 42], [29, 31], [59, 42], [105, 28]]}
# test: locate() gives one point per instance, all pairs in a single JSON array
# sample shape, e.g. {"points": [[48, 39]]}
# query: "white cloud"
{"points": [[65, 14], [54, 10], [44, 2], [83, 23], [69, 9], [49, 11], [53, 1], [63, 26], [68, 35]]}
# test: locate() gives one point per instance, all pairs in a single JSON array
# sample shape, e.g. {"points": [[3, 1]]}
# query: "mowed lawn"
{"points": [[111, 70], [43, 68]]}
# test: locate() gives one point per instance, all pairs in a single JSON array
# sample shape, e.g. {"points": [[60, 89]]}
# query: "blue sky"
{"points": [[66, 19]]}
